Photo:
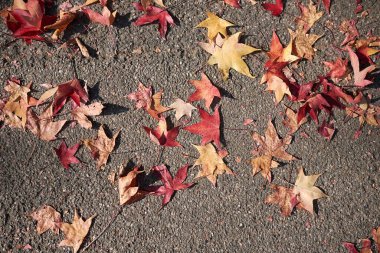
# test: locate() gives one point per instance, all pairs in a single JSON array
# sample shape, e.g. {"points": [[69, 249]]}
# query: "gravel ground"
{"points": [[229, 218]]}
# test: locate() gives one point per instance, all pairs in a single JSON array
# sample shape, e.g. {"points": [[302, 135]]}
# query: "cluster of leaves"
{"points": [[310, 100], [366, 243], [49, 219]]}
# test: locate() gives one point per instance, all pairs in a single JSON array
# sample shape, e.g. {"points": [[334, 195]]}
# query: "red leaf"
{"points": [[276, 8], [162, 136], [327, 4], [153, 14], [327, 130], [28, 23], [338, 69], [209, 127], [171, 185], [233, 3], [71, 89], [106, 18], [67, 155], [205, 90], [359, 76]]}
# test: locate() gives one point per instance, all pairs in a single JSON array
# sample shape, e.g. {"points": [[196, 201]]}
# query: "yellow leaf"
{"points": [[215, 25], [230, 56], [212, 163]]}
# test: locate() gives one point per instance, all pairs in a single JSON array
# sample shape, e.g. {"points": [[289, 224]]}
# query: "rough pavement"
{"points": [[229, 218]]}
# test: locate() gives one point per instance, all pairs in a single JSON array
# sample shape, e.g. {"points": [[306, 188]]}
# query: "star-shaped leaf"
{"points": [[309, 16], [284, 197], [204, 90], [304, 187], [278, 53], [304, 42], [269, 146], [47, 218], [171, 185], [182, 108], [211, 162], [67, 155], [230, 56], [154, 14], [65, 19], [143, 96], [75, 232], [209, 127], [162, 136], [43, 126], [101, 147], [215, 25]]}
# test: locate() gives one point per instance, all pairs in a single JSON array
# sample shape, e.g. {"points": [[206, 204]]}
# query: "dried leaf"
{"points": [[47, 218]]}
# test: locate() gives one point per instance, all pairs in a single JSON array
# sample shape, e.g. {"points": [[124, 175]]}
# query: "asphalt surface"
{"points": [[229, 218]]}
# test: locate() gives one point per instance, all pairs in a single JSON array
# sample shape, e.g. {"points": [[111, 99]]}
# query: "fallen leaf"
{"points": [[129, 191], [348, 27], [279, 54], [170, 185], [359, 76], [81, 112], [276, 8], [327, 4], [233, 3], [162, 136], [75, 232], [204, 90], [67, 155], [338, 69], [70, 89], [284, 197], [43, 125], [47, 218], [327, 130], [303, 43], [309, 16], [153, 14], [366, 247], [208, 128], [65, 19], [269, 146], [26, 20], [304, 187], [230, 56], [291, 121], [215, 25], [101, 147], [279, 87], [143, 96], [211, 162], [83, 49], [182, 108], [105, 18]]}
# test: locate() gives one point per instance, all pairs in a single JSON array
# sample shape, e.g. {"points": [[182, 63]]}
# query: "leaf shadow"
{"points": [[222, 133], [122, 21], [93, 92], [113, 109]]}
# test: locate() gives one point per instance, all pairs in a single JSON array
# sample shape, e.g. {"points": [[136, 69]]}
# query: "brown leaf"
{"points": [[291, 121], [129, 191], [284, 197], [75, 232], [65, 19], [80, 113], [47, 218], [212, 163], [269, 146], [101, 147], [43, 126]]}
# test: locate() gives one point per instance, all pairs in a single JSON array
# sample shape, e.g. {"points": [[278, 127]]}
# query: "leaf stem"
{"points": [[118, 211]]}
